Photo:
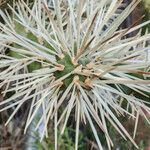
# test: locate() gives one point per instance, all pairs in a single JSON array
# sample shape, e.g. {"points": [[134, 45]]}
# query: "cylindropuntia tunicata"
{"points": [[72, 55]]}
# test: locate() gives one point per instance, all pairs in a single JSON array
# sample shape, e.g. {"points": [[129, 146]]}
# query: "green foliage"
{"points": [[65, 141]]}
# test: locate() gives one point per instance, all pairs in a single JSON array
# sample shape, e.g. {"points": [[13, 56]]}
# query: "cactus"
{"points": [[71, 55]]}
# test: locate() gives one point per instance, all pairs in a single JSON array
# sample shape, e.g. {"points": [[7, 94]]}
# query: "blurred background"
{"points": [[12, 137]]}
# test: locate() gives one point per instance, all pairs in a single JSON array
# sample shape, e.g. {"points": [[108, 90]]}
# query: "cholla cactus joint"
{"points": [[71, 53]]}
